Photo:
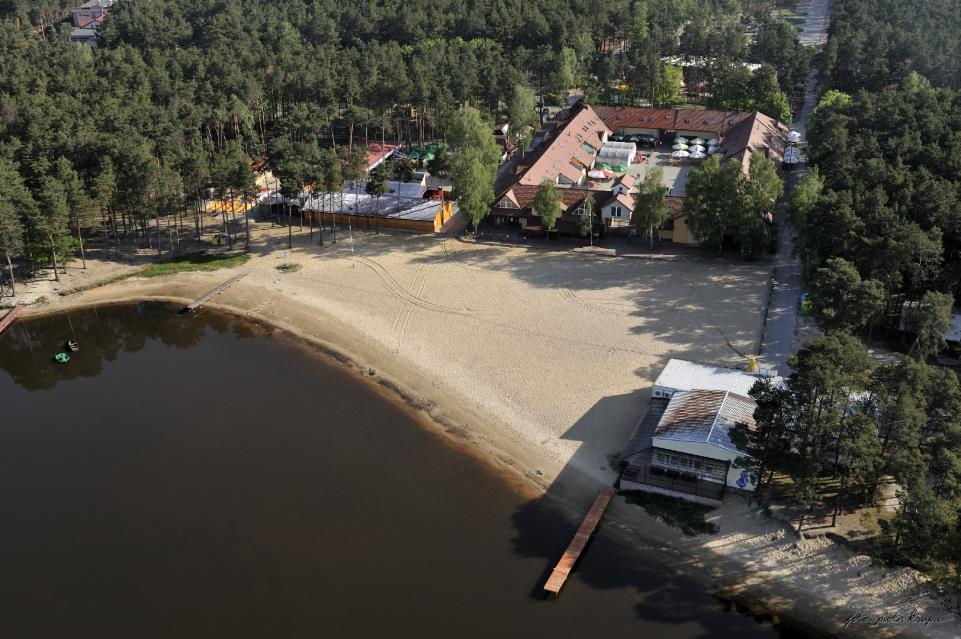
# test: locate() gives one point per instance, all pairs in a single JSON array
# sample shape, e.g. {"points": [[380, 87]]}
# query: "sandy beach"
{"points": [[541, 362]]}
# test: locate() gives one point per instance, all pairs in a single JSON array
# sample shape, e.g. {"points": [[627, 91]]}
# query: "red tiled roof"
{"points": [[700, 120], [675, 206], [87, 21], [616, 117], [376, 153]]}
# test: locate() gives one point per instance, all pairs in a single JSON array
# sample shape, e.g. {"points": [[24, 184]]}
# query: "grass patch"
{"points": [[104, 282], [685, 515], [194, 262]]}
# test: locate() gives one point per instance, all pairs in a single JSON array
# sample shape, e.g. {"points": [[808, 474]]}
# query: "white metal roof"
{"points": [[682, 375]]}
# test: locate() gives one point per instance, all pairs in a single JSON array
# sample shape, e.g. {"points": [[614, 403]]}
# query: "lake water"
{"points": [[202, 477]]}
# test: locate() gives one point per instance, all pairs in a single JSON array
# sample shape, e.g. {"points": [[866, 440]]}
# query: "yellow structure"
{"points": [[680, 233]]}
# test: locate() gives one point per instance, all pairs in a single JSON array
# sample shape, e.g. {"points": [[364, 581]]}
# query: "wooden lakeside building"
{"points": [[682, 446]]}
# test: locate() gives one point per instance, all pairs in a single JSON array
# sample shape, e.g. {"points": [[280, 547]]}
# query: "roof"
{"points": [[741, 132], [623, 199], [682, 375], [96, 3], [563, 150], [377, 153], [704, 121], [675, 209], [87, 21], [705, 416], [756, 133], [523, 195]]}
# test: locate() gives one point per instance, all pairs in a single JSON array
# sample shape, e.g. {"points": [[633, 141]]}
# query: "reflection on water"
{"points": [[28, 348], [174, 481]]}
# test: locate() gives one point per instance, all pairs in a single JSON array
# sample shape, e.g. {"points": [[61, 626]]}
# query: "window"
{"points": [[507, 203], [703, 468], [616, 211]]}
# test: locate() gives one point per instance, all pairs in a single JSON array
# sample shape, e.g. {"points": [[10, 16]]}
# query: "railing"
{"points": [[644, 474]]}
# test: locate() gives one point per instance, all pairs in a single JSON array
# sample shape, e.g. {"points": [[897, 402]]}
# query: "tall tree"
{"points": [[843, 301], [930, 320], [522, 115], [547, 204], [474, 163], [11, 238], [650, 203]]}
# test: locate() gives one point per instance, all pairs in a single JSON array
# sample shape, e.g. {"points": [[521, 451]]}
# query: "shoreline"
{"points": [[516, 462]]}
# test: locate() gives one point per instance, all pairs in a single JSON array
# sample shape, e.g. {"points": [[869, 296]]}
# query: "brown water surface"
{"points": [[201, 477]]}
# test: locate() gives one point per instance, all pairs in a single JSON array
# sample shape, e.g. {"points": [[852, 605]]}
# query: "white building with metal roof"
{"points": [[682, 375]]}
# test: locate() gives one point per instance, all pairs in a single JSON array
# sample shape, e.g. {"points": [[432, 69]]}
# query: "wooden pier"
{"points": [[583, 535], [11, 315], [203, 299]]}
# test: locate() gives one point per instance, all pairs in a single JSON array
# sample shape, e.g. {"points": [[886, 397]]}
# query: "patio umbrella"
{"points": [[680, 146], [697, 141], [794, 137], [680, 140], [697, 147], [697, 155], [680, 155]]}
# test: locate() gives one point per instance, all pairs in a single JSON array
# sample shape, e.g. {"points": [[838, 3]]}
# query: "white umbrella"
{"points": [[596, 174], [792, 155], [794, 137], [697, 155], [697, 141], [680, 155], [680, 146], [696, 148]]}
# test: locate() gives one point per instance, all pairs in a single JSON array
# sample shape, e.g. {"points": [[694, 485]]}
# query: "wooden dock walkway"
{"points": [[11, 315], [203, 299], [583, 535]]}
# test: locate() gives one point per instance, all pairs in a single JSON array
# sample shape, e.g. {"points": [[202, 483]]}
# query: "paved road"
{"points": [[816, 19], [778, 342]]}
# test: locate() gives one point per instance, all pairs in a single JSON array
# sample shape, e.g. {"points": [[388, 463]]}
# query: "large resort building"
{"points": [[606, 151]]}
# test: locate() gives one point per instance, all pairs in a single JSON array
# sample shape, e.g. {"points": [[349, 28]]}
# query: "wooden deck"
{"points": [[206, 296], [11, 315], [583, 535]]}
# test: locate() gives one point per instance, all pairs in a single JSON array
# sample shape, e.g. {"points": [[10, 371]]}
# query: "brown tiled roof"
{"points": [[616, 117], [675, 206], [712, 122], [628, 180], [756, 133], [702, 121], [523, 195], [562, 152], [627, 201]]}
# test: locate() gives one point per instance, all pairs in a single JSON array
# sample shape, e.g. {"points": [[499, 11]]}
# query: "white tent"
{"points": [[794, 137]]}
